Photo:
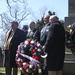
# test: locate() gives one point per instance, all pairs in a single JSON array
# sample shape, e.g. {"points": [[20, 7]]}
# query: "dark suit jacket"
{"points": [[55, 47], [19, 36], [43, 34]]}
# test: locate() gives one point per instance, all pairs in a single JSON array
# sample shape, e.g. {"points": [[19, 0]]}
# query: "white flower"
{"points": [[70, 30], [24, 63], [39, 50], [18, 59], [27, 70], [68, 41], [69, 26], [35, 47], [17, 54], [38, 45], [30, 66], [32, 42], [20, 68], [26, 42], [22, 51], [25, 46]]}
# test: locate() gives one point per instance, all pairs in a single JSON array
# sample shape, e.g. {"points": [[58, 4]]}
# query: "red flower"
{"points": [[26, 66], [33, 51], [17, 62], [33, 56], [23, 60], [24, 70], [19, 55], [29, 41], [35, 44], [20, 64], [37, 58]]}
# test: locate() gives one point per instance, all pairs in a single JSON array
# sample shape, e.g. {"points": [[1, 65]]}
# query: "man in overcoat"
{"points": [[55, 47], [14, 37]]}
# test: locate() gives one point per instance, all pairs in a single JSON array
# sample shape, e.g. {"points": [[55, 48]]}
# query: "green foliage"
{"points": [[62, 22], [40, 24]]}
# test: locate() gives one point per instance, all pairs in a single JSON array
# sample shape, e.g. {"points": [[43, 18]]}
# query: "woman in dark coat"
{"points": [[33, 33], [55, 46]]}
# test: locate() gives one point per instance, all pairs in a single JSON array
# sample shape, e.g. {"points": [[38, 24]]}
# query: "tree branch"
{"points": [[7, 1], [23, 17]]}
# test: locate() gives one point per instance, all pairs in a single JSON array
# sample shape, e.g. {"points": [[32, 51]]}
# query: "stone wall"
{"points": [[68, 21]]}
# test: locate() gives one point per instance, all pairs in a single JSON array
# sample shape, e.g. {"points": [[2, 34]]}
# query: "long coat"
{"points": [[19, 36], [55, 47]]}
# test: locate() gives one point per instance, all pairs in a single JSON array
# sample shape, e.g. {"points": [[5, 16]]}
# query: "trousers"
{"points": [[6, 63]]}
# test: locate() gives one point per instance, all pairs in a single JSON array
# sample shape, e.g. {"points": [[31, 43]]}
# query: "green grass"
{"points": [[2, 71]]}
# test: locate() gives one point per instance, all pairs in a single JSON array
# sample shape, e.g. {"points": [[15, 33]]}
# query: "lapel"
{"points": [[15, 34], [8, 34]]}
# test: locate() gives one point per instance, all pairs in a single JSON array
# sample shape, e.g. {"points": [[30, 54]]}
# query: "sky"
{"points": [[58, 6], [38, 6]]}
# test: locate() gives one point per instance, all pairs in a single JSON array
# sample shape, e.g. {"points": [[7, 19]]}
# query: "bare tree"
{"points": [[17, 10]]}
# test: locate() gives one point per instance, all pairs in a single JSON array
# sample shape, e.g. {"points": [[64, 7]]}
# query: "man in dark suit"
{"points": [[44, 30], [14, 37], [55, 47], [43, 36]]}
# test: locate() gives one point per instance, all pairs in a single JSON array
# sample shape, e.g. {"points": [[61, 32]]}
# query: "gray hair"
{"points": [[54, 16]]}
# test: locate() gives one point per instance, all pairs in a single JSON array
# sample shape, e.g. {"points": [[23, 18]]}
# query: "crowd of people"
{"points": [[51, 37]]}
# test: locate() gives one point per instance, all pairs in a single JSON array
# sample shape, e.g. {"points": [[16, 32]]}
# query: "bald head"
{"points": [[46, 19], [53, 19]]}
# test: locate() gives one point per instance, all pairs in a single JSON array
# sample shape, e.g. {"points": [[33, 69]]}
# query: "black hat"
{"points": [[14, 22], [25, 27]]}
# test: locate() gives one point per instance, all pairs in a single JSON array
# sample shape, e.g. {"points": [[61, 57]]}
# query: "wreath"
{"points": [[68, 38], [29, 56]]}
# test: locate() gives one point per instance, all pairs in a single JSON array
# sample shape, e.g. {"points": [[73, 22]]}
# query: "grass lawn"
{"points": [[2, 71]]}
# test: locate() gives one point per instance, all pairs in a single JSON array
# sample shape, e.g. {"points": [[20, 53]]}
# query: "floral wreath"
{"points": [[29, 56], [68, 38]]}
